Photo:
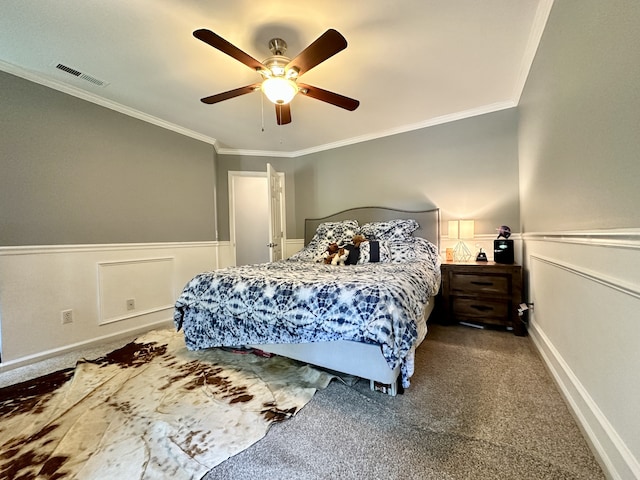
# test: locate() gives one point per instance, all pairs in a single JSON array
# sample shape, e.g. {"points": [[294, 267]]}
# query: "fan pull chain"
{"points": [[262, 110]]}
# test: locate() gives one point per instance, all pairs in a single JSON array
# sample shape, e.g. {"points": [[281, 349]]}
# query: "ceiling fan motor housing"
{"points": [[277, 46]]}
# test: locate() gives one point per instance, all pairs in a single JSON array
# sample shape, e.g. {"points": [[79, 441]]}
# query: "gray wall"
{"points": [[77, 173], [580, 120], [580, 172], [73, 172], [468, 168]]}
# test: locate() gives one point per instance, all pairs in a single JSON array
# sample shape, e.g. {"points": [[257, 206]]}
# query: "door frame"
{"points": [[232, 214]]}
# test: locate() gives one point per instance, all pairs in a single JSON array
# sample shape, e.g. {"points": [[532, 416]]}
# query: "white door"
{"points": [[276, 235], [249, 217], [253, 227]]}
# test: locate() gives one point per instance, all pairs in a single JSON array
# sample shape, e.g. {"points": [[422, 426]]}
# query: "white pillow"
{"points": [[391, 231]]}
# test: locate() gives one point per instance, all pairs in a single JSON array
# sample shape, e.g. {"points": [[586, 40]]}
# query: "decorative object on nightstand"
{"points": [[461, 230], [482, 293], [481, 257], [449, 254], [503, 249]]}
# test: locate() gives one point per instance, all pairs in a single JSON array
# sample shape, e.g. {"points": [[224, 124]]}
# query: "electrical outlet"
{"points": [[131, 304], [66, 316]]}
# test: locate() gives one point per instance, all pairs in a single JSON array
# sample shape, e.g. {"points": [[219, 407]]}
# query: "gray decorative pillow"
{"points": [[391, 231]]}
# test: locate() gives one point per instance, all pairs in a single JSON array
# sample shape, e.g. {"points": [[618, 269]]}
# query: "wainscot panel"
{"points": [[585, 290], [52, 297], [292, 246]]}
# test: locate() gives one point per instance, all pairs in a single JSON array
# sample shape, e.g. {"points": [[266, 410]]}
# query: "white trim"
{"points": [[135, 314], [231, 174], [615, 457], [102, 319], [99, 247], [537, 29], [615, 284], [495, 107], [492, 236], [615, 238], [583, 406], [292, 246]]}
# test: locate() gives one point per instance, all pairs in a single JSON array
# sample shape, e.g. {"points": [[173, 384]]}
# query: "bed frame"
{"points": [[429, 220], [355, 358]]}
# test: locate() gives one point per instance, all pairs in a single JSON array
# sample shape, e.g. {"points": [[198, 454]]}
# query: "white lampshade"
{"points": [[279, 90], [467, 229], [453, 229]]}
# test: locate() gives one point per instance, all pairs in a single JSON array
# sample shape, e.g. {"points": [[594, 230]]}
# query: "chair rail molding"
{"points": [[615, 238]]}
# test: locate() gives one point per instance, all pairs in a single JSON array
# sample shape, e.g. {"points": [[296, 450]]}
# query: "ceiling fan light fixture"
{"points": [[279, 90], [280, 74]]}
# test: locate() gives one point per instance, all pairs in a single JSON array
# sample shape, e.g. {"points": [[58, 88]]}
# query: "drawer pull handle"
{"points": [[484, 284], [482, 308]]}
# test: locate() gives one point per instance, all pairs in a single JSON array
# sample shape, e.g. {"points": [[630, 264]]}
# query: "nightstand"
{"points": [[484, 293]]}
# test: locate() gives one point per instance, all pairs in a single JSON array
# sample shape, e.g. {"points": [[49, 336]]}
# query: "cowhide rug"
{"points": [[150, 410]]}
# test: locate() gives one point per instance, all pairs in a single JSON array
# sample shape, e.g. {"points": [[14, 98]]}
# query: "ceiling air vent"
{"points": [[83, 76]]}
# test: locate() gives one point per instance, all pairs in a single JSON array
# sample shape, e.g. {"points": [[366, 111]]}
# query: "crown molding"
{"points": [[542, 15], [111, 105], [537, 29], [474, 112], [90, 97]]}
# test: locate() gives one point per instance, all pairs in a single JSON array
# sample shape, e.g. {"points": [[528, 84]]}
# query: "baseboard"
{"points": [[614, 457], [38, 357]]}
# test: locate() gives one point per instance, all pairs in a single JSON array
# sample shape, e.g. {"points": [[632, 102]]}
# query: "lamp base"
{"points": [[461, 253]]}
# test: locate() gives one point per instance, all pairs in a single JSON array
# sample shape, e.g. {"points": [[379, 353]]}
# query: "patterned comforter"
{"points": [[302, 301]]}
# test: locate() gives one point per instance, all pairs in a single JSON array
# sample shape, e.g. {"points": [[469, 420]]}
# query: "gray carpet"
{"points": [[481, 406]]}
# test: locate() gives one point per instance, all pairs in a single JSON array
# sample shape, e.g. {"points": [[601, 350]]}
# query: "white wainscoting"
{"points": [[94, 282], [225, 255], [291, 246], [585, 287], [130, 288]]}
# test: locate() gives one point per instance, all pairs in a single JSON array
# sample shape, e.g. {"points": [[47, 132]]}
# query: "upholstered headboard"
{"points": [[429, 220]]}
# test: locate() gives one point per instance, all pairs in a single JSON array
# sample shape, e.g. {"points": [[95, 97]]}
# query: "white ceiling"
{"points": [[410, 63]]}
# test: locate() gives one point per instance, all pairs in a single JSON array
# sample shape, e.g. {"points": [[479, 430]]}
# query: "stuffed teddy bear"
{"points": [[358, 239], [335, 255], [340, 257], [330, 250]]}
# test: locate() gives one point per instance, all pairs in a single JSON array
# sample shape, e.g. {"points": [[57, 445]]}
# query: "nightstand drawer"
{"points": [[480, 284], [482, 293], [480, 309]]}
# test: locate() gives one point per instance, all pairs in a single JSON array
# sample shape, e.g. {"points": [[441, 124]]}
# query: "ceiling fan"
{"points": [[280, 74]]}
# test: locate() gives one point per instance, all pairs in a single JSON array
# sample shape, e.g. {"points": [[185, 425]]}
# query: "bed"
{"points": [[363, 319]]}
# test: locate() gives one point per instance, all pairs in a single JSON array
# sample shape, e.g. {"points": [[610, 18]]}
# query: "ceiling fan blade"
{"points": [[216, 41], [325, 46], [230, 94], [283, 114], [329, 97]]}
